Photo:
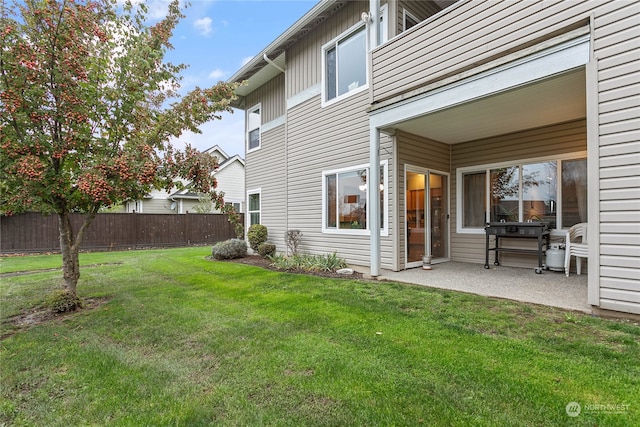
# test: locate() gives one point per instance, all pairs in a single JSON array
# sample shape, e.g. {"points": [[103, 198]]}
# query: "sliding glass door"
{"points": [[427, 216]]}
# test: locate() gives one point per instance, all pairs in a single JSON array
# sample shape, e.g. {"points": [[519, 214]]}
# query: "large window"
{"points": [[554, 191], [253, 128], [346, 64], [254, 211], [345, 200]]}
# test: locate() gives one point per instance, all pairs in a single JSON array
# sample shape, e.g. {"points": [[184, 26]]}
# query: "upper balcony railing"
{"points": [[464, 36]]}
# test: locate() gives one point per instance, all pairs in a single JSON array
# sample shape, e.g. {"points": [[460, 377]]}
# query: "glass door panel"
{"points": [[415, 214], [438, 216]]}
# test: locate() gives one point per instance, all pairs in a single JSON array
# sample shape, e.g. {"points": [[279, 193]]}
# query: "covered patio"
{"points": [[550, 288]]}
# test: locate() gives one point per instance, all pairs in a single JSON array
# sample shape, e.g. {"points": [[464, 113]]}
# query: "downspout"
{"points": [[273, 64]]}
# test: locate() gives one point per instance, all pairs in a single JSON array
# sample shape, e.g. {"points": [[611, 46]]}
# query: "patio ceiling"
{"points": [[556, 99]]}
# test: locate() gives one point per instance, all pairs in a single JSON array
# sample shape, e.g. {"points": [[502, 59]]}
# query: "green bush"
{"points": [[229, 249], [257, 235], [61, 301], [267, 249], [309, 262]]}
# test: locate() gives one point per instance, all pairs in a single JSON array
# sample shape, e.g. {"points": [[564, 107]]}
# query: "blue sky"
{"points": [[215, 39]]}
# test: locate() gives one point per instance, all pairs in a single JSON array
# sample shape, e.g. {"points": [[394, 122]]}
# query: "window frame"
{"points": [[407, 14], [486, 168], [384, 226], [257, 191], [248, 130], [333, 44]]}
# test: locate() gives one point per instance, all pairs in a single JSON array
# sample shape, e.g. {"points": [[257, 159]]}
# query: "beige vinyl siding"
{"points": [[266, 170], [471, 33], [304, 59], [271, 97], [189, 205], [156, 206], [416, 151], [323, 139], [534, 143], [616, 47], [231, 182]]}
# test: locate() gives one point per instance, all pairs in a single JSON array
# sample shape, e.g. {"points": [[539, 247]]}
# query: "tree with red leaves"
{"points": [[88, 108]]}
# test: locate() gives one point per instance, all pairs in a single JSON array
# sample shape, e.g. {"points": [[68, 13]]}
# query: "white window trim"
{"points": [[247, 217], [516, 162], [384, 230], [384, 34], [247, 130], [405, 14], [334, 43]]}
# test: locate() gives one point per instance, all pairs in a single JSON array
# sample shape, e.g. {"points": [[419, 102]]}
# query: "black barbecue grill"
{"points": [[517, 230]]}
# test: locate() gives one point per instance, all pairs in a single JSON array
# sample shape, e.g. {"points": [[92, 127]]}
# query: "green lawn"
{"points": [[183, 341]]}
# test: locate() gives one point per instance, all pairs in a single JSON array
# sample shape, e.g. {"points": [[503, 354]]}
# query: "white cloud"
{"points": [[217, 74], [204, 25], [157, 9]]}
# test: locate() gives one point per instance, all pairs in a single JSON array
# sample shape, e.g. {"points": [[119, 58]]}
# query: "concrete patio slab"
{"points": [[550, 288]]}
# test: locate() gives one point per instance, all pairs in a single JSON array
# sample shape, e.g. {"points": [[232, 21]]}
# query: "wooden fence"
{"points": [[34, 232]]}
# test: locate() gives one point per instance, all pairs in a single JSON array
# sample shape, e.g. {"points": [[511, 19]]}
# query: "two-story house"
{"points": [[230, 178], [460, 113]]}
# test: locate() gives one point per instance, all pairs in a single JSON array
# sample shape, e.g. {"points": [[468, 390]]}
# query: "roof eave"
{"points": [[276, 48]]}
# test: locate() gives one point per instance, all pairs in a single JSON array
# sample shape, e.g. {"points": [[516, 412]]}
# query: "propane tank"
{"points": [[555, 257]]}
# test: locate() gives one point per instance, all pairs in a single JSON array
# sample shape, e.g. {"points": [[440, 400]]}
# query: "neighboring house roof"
{"points": [[215, 150]]}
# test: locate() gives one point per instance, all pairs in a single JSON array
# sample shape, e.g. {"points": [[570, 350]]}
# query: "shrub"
{"points": [[293, 238], [309, 262], [266, 249], [257, 235], [62, 301], [229, 249]]}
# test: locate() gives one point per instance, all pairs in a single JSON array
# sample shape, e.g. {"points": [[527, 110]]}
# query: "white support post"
{"points": [[373, 182], [374, 25], [374, 153]]}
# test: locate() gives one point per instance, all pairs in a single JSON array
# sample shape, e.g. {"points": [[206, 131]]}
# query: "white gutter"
{"points": [[295, 28], [270, 62]]}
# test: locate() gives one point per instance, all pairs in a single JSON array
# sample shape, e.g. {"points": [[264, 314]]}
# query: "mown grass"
{"points": [[186, 341]]}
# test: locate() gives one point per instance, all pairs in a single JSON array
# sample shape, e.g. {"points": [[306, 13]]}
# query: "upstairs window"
{"points": [[409, 21], [253, 128], [345, 64]]}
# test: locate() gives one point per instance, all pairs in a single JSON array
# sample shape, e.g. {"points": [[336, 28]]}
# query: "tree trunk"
{"points": [[70, 262], [70, 247]]}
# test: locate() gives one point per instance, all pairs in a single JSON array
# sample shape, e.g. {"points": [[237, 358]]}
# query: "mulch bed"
{"points": [[259, 261]]}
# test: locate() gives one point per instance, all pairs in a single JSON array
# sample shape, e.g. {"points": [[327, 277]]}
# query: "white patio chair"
{"points": [[576, 245]]}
